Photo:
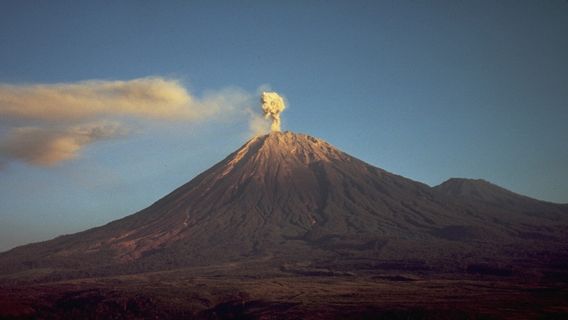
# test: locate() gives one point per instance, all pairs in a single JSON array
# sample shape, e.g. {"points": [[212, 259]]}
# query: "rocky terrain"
{"points": [[289, 226]]}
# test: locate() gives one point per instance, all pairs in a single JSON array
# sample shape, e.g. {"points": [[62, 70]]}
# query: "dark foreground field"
{"points": [[215, 293]]}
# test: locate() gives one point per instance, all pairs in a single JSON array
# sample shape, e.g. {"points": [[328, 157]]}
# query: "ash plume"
{"points": [[149, 98], [48, 146], [45, 124], [272, 106]]}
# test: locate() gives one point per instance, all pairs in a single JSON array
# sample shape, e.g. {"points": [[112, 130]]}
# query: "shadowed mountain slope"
{"points": [[481, 193], [294, 199]]}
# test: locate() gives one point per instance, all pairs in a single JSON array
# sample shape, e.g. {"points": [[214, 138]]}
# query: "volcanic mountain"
{"points": [[295, 200]]}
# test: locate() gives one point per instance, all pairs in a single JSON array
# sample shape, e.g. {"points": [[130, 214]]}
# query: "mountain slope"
{"points": [[294, 198], [478, 189], [479, 192]]}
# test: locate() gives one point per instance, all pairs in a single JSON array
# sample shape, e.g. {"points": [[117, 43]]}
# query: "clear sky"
{"points": [[425, 89]]}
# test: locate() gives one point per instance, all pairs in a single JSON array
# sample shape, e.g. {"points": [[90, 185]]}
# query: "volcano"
{"points": [[287, 203]]}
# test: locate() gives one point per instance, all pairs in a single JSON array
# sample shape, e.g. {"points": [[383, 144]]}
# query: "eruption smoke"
{"points": [[45, 124], [272, 105]]}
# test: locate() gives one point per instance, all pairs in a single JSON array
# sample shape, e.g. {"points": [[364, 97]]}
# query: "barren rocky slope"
{"points": [[298, 201]]}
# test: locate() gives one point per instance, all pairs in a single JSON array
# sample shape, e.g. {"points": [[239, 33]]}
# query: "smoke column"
{"points": [[272, 105]]}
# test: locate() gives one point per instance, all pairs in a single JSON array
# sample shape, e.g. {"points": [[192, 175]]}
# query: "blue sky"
{"points": [[426, 89]]}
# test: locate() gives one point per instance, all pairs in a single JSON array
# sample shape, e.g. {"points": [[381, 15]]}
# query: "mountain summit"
{"points": [[479, 189], [295, 199]]}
